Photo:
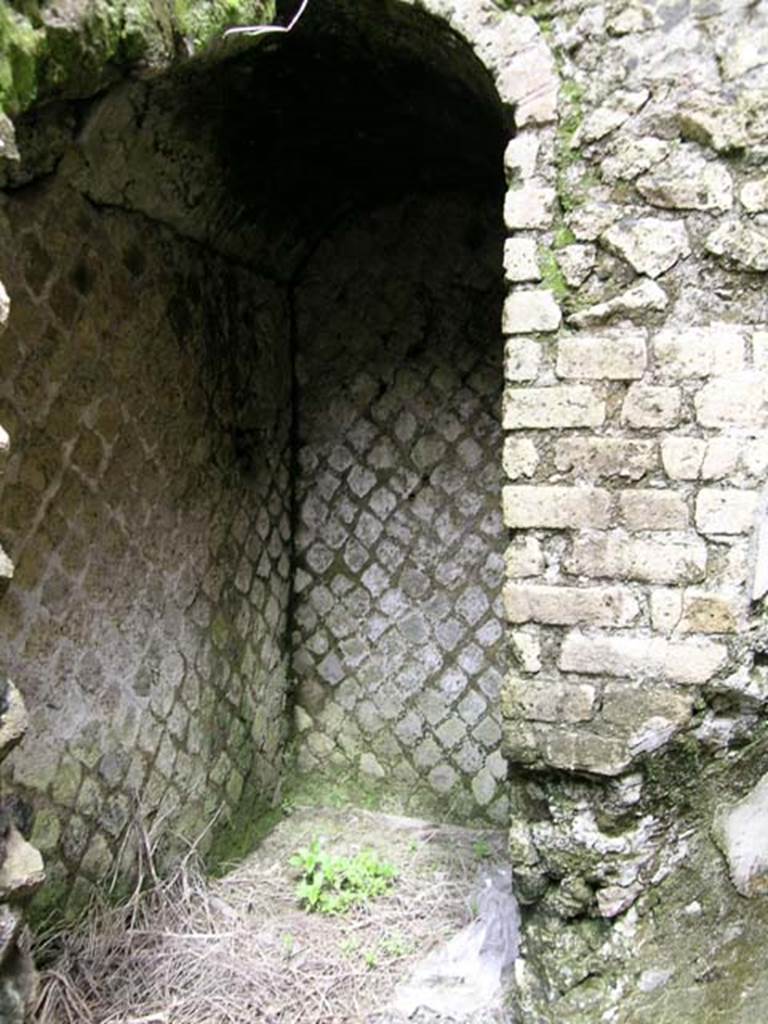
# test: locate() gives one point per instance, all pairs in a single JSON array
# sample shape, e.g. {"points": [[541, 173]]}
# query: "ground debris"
{"points": [[239, 949]]}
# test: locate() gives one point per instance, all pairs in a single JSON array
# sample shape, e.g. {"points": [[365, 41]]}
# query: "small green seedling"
{"points": [[349, 946], [395, 945], [332, 885], [482, 849]]}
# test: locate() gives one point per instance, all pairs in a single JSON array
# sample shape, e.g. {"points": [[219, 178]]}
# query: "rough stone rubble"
{"points": [[21, 866]]}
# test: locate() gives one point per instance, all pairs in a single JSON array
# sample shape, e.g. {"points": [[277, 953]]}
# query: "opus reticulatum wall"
{"points": [[634, 413]]}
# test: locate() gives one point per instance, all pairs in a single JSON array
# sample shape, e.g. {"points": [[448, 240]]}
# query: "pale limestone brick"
{"points": [[520, 260], [574, 405], [6, 566], [648, 716], [520, 156], [605, 355], [754, 195], [666, 609], [682, 352], [597, 458], [5, 446], [585, 752], [530, 311], [569, 606], [646, 509], [522, 358], [548, 700], [691, 458], [754, 457], [760, 350], [650, 245], [706, 611], [529, 207], [682, 457], [649, 406], [520, 458], [736, 400], [555, 508], [616, 556], [528, 81], [686, 661], [725, 511], [731, 564], [526, 647], [524, 558], [721, 458]]}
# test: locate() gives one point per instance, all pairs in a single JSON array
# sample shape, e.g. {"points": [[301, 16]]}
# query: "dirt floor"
{"points": [[240, 948]]}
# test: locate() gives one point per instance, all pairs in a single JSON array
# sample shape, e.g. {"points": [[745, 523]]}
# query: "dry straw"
{"points": [[238, 950]]}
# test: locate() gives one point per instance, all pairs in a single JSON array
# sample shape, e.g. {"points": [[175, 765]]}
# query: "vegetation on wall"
{"points": [[75, 51]]}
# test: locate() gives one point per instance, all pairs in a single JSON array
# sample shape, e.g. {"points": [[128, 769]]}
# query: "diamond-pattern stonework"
{"points": [[146, 506], [397, 629]]}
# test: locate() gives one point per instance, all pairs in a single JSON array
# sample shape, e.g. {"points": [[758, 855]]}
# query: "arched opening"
{"points": [[257, 430]]}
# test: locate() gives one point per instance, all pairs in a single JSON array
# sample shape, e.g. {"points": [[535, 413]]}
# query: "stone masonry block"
{"points": [[728, 455], [5, 307], [520, 457], [584, 752], [562, 406], [555, 508], [547, 700], [5, 446], [520, 156], [529, 82], [735, 400], [616, 556], [682, 457], [760, 350], [650, 245], [687, 661], [699, 351], [522, 357], [636, 711], [520, 260], [646, 509], [666, 608], [650, 406], [605, 355], [6, 566], [570, 606], [725, 511], [526, 648], [529, 207], [523, 558], [706, 611], [529, 311], [598, 458]]}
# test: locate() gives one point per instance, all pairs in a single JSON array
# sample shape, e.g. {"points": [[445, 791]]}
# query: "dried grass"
{"points": [[186, 950]]}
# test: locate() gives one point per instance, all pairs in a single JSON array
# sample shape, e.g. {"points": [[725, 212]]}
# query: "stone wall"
{"points": [[398, 649], [636, 457], [145, 506]]}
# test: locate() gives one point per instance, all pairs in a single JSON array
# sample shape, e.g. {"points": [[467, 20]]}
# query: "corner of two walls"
{"points": [[635, 416]]}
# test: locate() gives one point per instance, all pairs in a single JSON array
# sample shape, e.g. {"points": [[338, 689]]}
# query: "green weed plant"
{"points": [[331, 884]]}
